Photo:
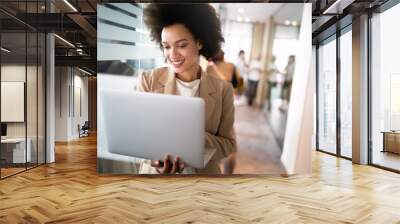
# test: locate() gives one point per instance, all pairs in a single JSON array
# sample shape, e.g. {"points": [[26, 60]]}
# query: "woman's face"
{"points": [[180, 48]]}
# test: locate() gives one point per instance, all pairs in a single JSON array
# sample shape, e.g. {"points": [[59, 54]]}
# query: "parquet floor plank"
{"points": [[71, 191]]}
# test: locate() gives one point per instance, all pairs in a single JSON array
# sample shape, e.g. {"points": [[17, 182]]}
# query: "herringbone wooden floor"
{"points": [[71, 191]]}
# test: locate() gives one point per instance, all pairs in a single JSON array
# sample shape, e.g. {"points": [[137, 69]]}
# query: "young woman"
{"points": [[184, 32]]}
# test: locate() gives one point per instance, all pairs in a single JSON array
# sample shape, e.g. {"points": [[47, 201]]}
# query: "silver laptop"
{"points": [[149, 126]]}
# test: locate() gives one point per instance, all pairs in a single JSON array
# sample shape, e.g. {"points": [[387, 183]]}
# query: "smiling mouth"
{"points": [[177, 62]]}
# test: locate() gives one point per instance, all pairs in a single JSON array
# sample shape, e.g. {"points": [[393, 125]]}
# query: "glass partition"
{"points": [[22, 77], [14, 153], [327, 96]]}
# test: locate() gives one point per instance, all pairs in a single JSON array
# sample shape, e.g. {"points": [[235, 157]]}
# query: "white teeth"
{"points": [[177, 62]]}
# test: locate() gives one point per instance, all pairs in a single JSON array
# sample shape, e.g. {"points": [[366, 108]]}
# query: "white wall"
{"points": [[12, 100], [33, 126], [285, 44], [15, 72], [238, 36], [67, 115], [297, 148], [61, 103], [80, 103]]}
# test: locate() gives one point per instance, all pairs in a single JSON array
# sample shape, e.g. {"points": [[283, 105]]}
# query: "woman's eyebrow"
{"points": [[181, 40], [176, 42]]}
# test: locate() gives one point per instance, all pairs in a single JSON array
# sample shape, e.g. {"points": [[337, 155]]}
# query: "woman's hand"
{"points": [[167, 166]]}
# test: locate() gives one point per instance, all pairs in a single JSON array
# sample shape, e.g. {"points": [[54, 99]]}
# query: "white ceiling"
{"points": [[256, 12], [289, 11], [261, 12]]}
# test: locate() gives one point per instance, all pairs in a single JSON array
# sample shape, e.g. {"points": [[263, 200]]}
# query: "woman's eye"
{"points": [[182, 46], [166, 47]]}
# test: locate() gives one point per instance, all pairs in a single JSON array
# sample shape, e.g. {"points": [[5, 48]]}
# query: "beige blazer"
{"points": [[218, 96]]}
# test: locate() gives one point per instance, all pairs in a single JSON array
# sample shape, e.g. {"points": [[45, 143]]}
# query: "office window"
{"points": [[385, 84], [346, 94], [327, 96]]}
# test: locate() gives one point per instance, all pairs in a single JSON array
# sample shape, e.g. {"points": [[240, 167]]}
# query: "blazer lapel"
{"points": [[167, 83], [170, 87], [207, 90]]}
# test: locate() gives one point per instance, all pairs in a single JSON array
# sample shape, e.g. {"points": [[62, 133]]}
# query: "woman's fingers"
{"points": [[175, 165], [162, 166], [181, 166], [157, 163], [167, 164]]}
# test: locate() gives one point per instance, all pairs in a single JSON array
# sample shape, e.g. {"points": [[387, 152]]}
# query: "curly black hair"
{"points": [[199, 18]]}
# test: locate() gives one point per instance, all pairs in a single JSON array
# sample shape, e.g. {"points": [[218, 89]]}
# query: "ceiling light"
{"points": [[239, 19], [247, 19], [86, 72], [287, 22], [70, 5], [65, 41], [78, 50], [5, 50], [294, 23], [241, 10], [43, 7]]}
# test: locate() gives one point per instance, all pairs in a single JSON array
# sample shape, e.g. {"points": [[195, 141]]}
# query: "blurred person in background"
{"points": [[273, 73], [287, 83], [243, 68], [253, 79], [242, 65], [288, 77], [225, 70]]}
